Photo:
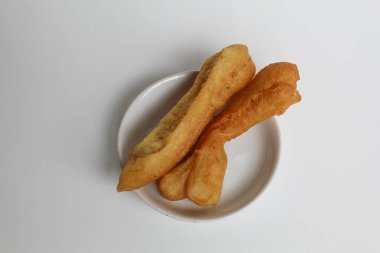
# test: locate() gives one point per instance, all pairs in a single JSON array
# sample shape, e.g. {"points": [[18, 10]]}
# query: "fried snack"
{"points": [[172, 184], [271, 92], [221, 76]]}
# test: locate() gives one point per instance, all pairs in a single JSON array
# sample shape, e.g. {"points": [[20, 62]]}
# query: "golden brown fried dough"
{"points": [[203, 185], [271, 92], [173, 182], [221, 76]]}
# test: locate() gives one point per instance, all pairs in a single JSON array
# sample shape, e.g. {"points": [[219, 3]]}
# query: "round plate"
{"points": [[252, 157]]}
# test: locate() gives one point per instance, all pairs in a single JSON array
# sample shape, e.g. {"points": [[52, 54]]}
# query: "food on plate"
{"points": [[172, 184], [221, 76], [272, 92]]}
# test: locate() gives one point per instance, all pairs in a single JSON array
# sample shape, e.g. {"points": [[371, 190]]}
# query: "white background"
{"points": [[69, 70]]}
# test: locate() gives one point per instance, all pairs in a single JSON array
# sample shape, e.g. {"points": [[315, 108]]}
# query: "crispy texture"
{"points": [[205, 179], [172, 183], [221, 76], [271, 92]]}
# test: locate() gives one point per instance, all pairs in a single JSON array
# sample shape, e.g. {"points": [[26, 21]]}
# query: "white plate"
{"points": [[252, 157]]}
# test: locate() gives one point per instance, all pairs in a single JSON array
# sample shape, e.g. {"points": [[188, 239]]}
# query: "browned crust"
{"points": [[271, 92]]}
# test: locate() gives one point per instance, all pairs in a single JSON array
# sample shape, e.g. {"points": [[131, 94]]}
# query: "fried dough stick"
{"points": [[221, 76], [200, 176]]}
